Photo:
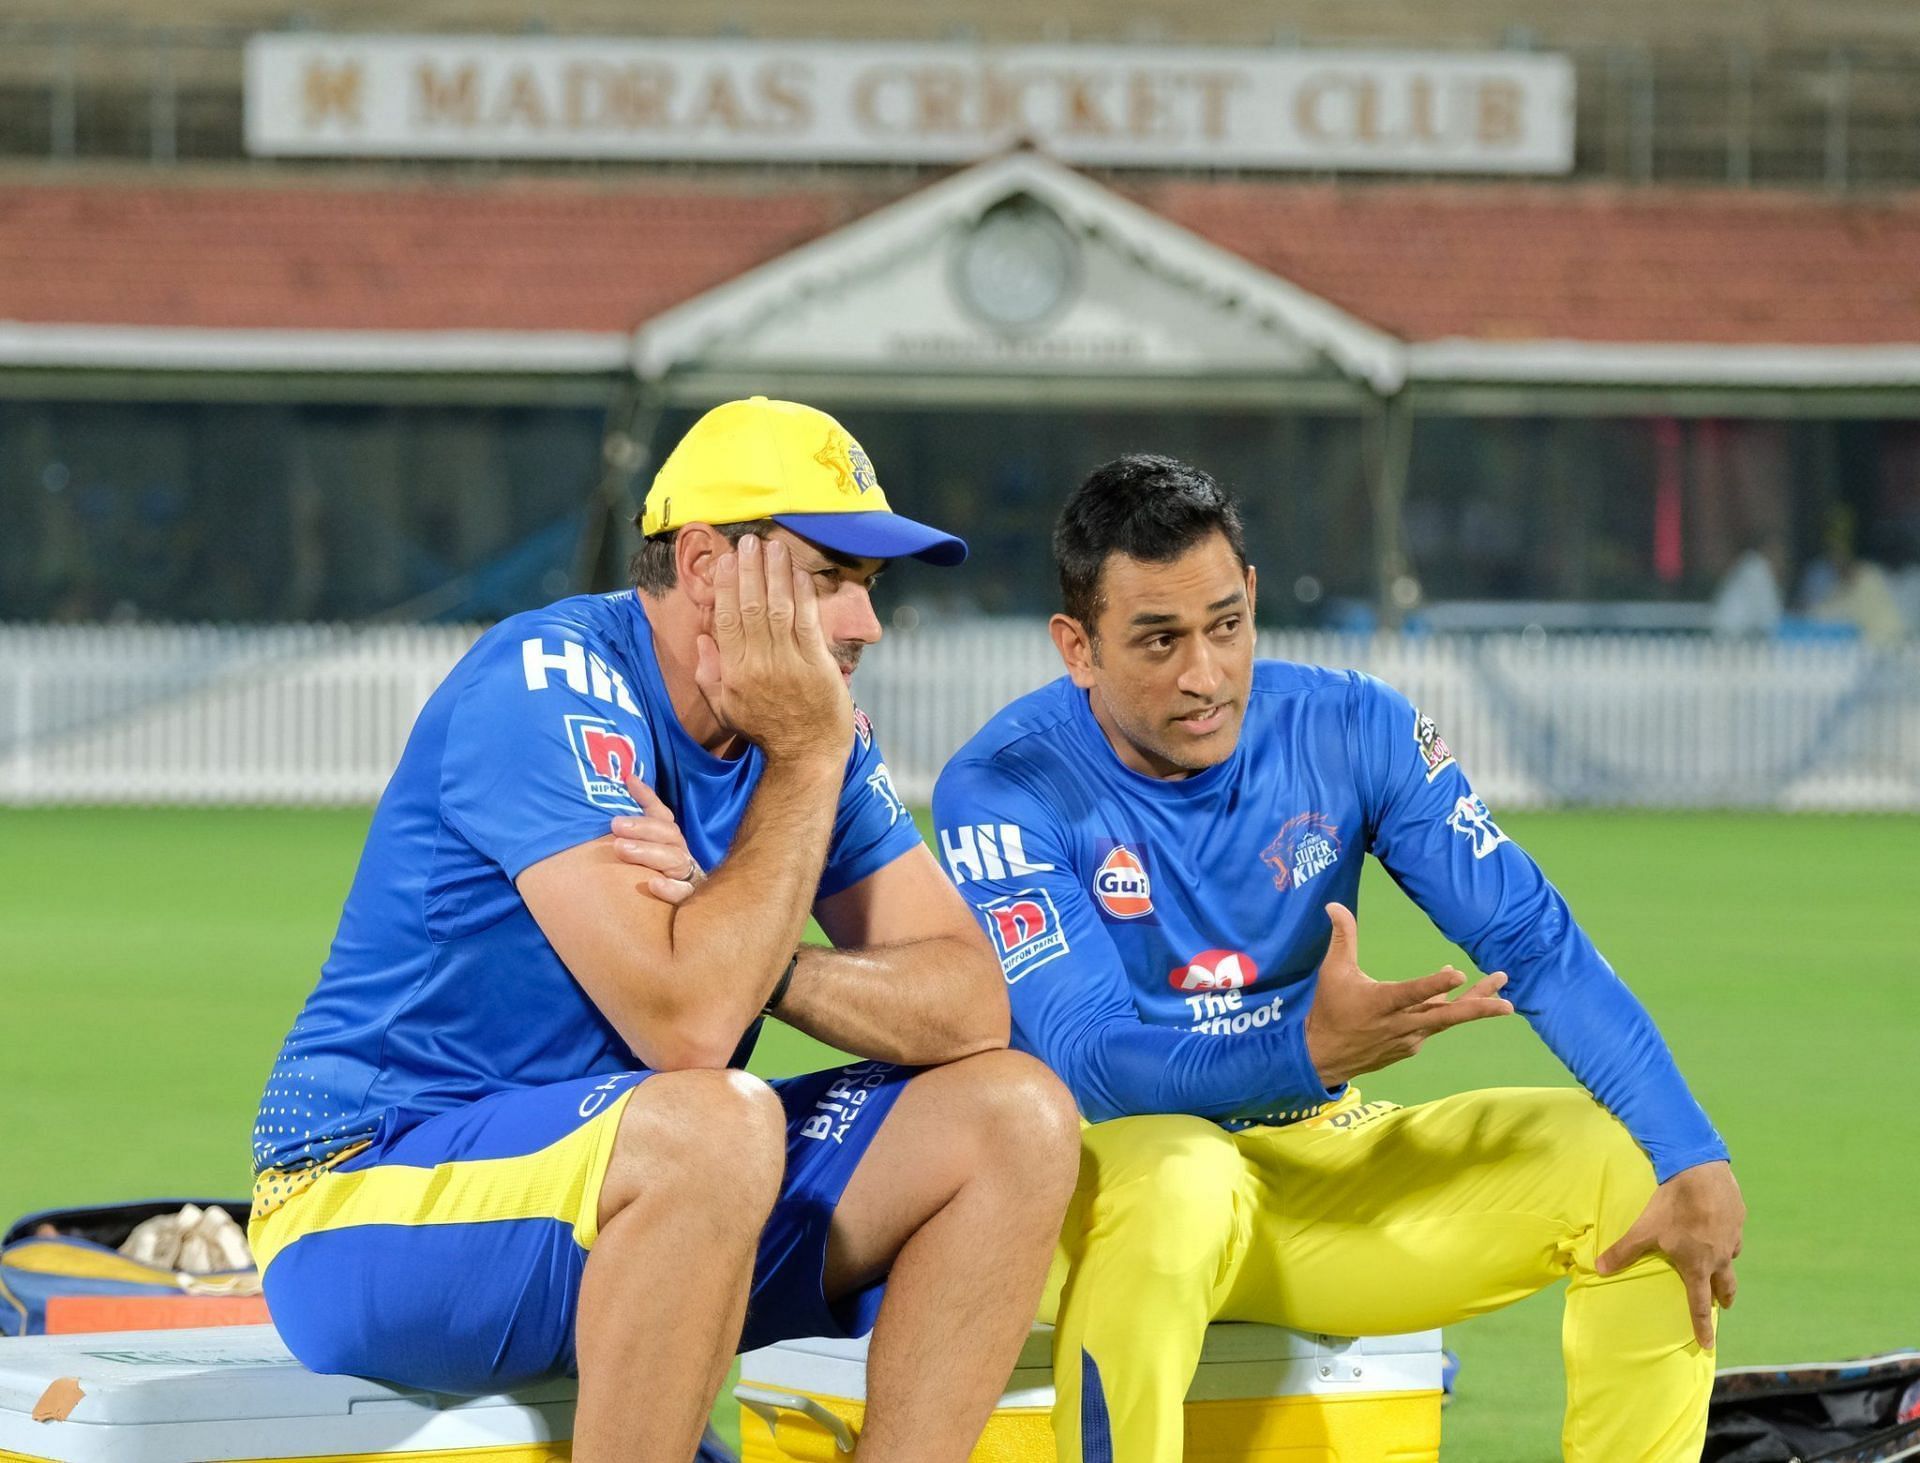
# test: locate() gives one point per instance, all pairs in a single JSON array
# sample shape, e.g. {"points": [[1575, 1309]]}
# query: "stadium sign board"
{"points": [[818, 101]]}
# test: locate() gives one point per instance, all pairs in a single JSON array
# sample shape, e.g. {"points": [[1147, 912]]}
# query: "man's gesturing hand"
{"points": [[1694, 1219], [1359, 1024], [766, 669]]}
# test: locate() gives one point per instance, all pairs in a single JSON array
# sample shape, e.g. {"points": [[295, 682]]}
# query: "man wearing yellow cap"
{"points": [[505, 1140]]}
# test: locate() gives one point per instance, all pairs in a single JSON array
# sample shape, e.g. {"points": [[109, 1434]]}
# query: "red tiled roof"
{"points": [[1492, 261], [509, 257], [1511, 262]]}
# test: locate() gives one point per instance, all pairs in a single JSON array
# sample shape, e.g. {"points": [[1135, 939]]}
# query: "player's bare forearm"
{"points": [[920, 1004], [729, 942], [911, 978], [681, 984]]}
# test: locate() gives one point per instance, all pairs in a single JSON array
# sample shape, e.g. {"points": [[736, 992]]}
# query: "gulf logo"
{"points": [[1214, 970], [1122, 886]]}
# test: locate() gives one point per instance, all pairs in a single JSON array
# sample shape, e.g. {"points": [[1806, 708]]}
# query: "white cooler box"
{"points": [[233, 1392], [1260, 1395]]}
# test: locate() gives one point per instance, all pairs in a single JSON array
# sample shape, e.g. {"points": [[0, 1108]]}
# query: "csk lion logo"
{"points": [[849, 463], [1306, 847]]}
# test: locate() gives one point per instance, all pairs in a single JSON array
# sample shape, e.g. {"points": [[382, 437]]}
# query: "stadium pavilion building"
{"points": [[433, 399]]}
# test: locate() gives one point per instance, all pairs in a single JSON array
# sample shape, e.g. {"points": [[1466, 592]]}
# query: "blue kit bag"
{"points": [[60, 1253]]}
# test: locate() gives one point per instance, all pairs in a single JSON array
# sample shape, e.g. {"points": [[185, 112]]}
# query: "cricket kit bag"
{"points": [[1865, 1411], [105, 1268]]}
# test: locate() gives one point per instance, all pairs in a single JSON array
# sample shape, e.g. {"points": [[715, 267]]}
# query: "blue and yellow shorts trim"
{"points": [[447, 1253]]}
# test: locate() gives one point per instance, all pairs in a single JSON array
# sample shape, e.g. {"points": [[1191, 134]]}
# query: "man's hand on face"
{"points": [[766, 669], [1694, 1219], [652, 840], [1359, 1024]]}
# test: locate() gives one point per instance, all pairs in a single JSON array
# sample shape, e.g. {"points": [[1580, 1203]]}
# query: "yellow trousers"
{"points": [[1370, 1219]]}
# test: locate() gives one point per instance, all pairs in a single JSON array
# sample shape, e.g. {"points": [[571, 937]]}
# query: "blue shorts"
{"points": [[447, 1254]]}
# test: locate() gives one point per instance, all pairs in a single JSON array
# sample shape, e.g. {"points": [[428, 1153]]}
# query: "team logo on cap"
{"points": [[1122, 885], [848, 462], [1214, 970]]}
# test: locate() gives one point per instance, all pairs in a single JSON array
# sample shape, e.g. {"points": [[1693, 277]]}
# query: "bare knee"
{"points": [[1023, 1120], [713, 1139]]}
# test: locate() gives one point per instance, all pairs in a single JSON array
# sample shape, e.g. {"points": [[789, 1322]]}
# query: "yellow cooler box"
{"points": [[233, 1392], [1261, 1395]]}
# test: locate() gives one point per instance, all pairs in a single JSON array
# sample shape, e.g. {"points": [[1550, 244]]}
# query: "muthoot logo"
{"points": [[1214, 970]]}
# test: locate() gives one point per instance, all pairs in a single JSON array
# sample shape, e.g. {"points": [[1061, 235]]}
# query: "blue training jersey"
{"points": [[440, 988], [1161, 939]]}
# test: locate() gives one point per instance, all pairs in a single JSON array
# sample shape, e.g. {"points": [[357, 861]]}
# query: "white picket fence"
{"points": [[319, 714]]}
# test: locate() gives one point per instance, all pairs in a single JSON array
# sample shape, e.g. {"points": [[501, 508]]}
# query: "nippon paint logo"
{"points": [[1025, 930], [606, 757], [1214, 970]]}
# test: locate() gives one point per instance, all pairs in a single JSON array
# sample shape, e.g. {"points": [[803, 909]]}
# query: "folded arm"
{"points": [[909, 978], [682, 983]]}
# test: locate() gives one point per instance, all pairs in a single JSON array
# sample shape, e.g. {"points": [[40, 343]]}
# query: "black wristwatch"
{"points": [[780, 987]]}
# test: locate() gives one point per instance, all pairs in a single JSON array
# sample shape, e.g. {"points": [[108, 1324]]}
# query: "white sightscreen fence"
{"points": [[319, 714]]}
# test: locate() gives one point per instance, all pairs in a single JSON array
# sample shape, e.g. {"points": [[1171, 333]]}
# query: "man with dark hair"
{"points": [[503, 1141], [1141, 506], [1165, 848]]}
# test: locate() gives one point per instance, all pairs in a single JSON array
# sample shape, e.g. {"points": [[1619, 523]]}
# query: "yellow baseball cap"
{"points": [[796, 465]]}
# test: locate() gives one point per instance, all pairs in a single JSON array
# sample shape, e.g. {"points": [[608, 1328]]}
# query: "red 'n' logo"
{"points": [[607, 757], [1025, 928], [612, 754], [1018, 923]]}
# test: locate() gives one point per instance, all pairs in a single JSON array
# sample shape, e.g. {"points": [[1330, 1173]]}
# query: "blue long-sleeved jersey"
{"points": [[1161, 939]]}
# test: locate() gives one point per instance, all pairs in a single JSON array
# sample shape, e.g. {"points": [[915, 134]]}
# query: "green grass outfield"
{"points": [[150, 962]]}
